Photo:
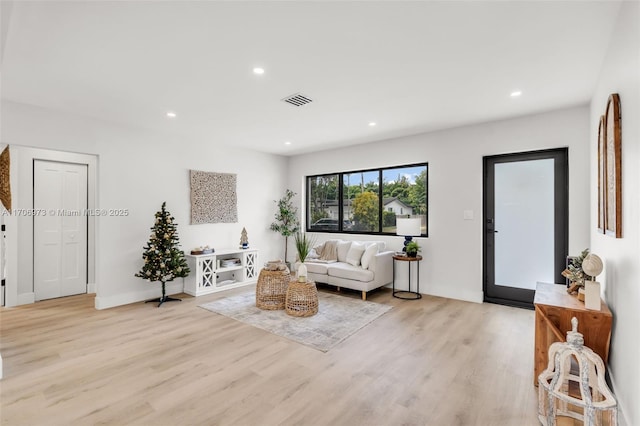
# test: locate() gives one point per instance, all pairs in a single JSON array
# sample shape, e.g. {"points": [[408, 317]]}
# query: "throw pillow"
{"points": [[368, 255], [355, 253], [343, 249]]}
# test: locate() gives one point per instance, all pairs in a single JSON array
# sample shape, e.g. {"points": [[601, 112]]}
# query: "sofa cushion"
{"points": [[344, 270], [367, 256], [317, 267], [343, 249], [355, 253]]}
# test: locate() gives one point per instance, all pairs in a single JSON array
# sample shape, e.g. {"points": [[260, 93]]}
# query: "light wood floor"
{"points": [[429, 362]]}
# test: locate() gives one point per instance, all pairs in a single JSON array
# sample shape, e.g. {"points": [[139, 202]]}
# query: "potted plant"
{"points": [[412, 249], [286, 223], [304, 245]]}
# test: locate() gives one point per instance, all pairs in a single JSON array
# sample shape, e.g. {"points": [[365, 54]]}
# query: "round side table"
{"points": [[302, 299], [407, 294]]}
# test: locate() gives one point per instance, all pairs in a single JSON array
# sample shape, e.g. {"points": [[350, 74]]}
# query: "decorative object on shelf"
{"points": [[613, 167], [302, 299], [244, 240], [574, 272], [408, 227], [213, 197], [592, 266], [276, 265], [271, 289], [5, 178], [412, 249], [564, 394], [287, 223], [163, 259], [202, 250], [230, 262]]}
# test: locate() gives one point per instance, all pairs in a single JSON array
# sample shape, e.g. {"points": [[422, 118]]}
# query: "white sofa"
{"points": [[355, 268]]}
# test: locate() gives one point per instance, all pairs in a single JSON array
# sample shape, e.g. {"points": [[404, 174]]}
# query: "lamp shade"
{"points": [[409, 226]]}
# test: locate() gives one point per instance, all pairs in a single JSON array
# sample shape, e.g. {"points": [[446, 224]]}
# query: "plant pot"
{"points": [[412, 254]]}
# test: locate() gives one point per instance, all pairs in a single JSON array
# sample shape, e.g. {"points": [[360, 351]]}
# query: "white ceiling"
{"points": [[409, 66]]}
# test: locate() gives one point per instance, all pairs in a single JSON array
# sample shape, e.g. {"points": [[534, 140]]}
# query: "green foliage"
{"points": [[287, 223], [388, 219], [574, 271], [322, 189], [412, 248], [304, 244], [365, 211], [163, 260]]}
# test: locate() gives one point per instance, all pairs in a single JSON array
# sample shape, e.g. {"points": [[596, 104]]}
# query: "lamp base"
{"points": [[407, 240]]}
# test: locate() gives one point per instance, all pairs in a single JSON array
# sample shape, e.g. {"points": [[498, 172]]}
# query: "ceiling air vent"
{"points": [[298, 99]]}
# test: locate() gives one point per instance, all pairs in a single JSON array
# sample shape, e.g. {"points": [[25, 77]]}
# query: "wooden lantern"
{"points": [[573, 386]]}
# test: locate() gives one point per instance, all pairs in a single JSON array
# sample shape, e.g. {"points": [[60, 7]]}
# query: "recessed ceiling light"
{"points": [[287, 143], [171, 114], [516, 93], [372, 123], [258, 71]]}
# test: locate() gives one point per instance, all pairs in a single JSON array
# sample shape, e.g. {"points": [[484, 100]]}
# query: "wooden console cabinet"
{"points": [[554, 310]]}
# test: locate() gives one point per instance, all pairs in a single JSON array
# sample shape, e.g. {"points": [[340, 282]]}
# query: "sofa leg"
{"points": [[338, 289], [364, 295]]}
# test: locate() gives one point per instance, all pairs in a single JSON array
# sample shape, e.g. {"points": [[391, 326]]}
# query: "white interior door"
{"points": [[59, 229]]}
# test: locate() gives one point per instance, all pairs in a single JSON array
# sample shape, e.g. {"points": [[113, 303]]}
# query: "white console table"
{"points": [[209, 274]]}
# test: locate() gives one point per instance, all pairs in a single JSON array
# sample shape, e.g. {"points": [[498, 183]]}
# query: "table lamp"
{"points": [[408, 227]]}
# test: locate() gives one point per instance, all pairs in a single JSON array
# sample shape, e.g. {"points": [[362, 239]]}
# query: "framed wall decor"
{"points": [[613, 168], [5, 179], [602, 179], [214, 197]]}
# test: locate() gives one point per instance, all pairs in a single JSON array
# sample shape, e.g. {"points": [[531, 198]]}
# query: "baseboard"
{"points": [[622, 418], [26, 298], [449, 293], [106, 302], [453, 293]]}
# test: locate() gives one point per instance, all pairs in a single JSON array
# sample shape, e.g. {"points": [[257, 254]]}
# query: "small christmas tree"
{"points": [[163, 260], [244, 239]]}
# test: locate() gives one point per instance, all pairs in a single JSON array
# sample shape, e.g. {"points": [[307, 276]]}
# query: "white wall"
{"points": [[453, 251], [138, 170], [621, 278]]}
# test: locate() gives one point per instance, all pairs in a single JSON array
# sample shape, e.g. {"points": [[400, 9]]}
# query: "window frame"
{"points": [[340, 199]]}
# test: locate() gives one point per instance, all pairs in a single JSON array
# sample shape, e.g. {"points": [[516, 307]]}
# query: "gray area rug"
{"points": [[338, 317]]}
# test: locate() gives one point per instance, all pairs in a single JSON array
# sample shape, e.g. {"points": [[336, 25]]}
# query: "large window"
{"points": [[367, 201]]}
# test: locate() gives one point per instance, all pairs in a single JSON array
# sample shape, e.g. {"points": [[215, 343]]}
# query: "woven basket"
{"points": [[271, 289], [302, 299]]}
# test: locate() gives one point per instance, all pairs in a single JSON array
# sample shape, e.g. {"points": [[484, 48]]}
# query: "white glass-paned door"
{"points": [[524, 223]]}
